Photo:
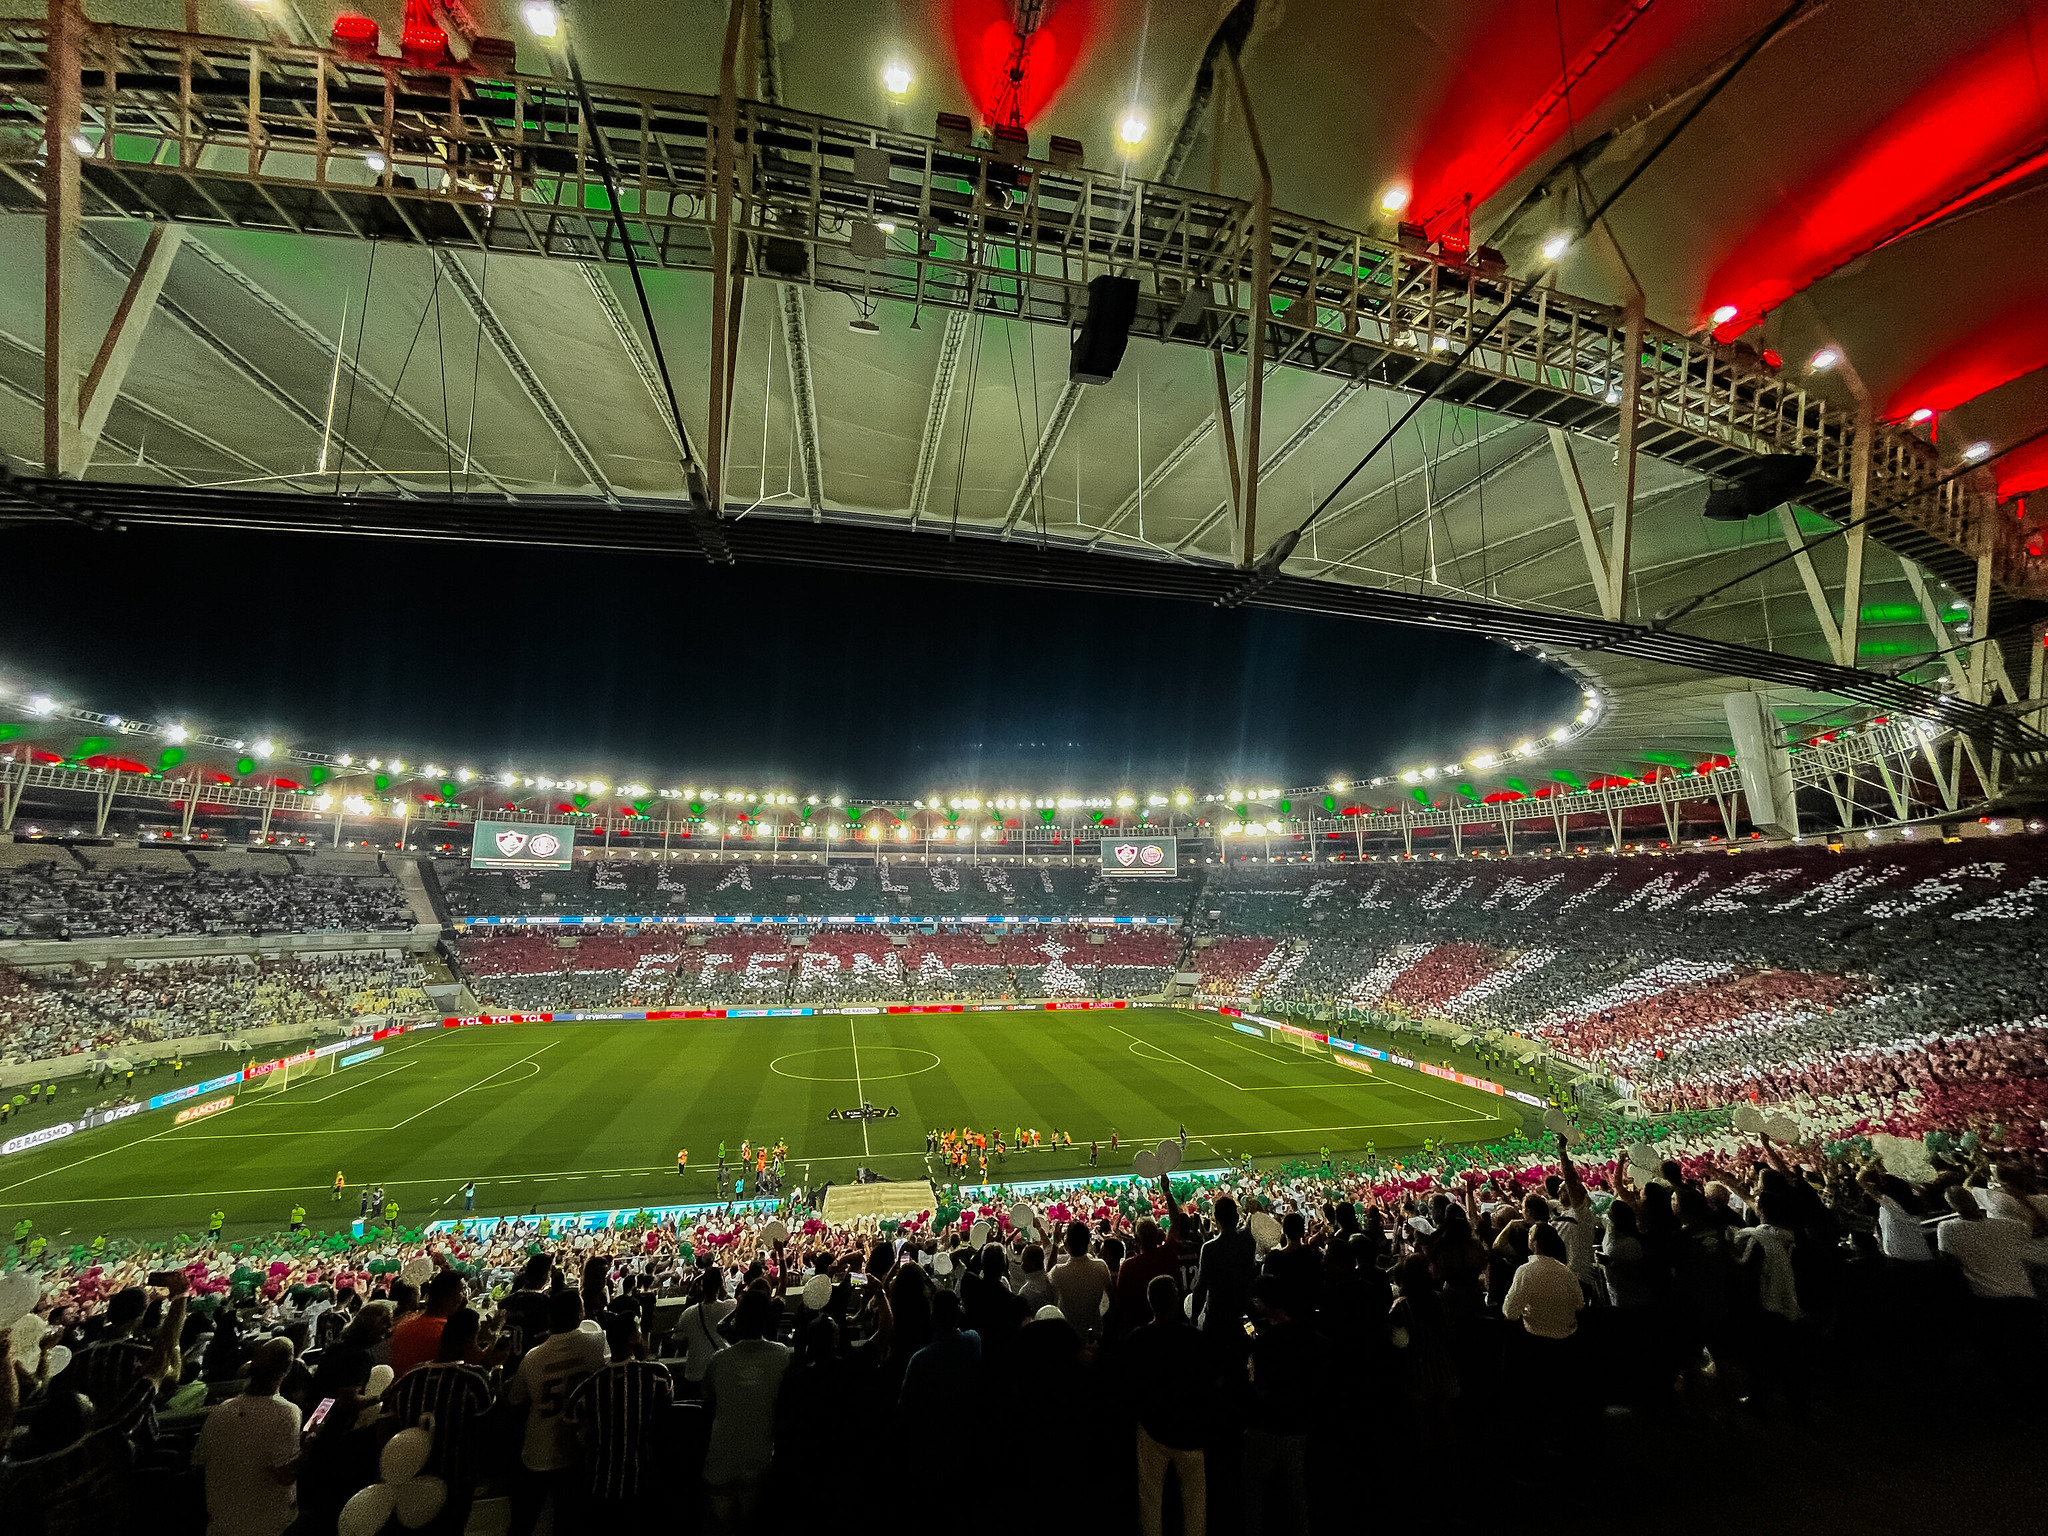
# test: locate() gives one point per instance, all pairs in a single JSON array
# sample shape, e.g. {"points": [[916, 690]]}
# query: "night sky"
{"points": [[672, 672]]}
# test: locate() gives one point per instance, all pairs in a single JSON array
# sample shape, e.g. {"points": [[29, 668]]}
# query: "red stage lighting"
{"points": [[1010, 83], [423, 43], [2015, 343]]}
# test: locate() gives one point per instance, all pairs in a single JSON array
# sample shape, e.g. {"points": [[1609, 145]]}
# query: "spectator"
{"points": [[548, 1374], [740, 1388], [1223, 1278], [620, 1414], [698, 1330], [947, 1371], [76, 1477], [249, 1447], [1081, 1283], [1286, 1373], [449, 1396], [418, 1339], [1172, 1382], [1991, 1251]]}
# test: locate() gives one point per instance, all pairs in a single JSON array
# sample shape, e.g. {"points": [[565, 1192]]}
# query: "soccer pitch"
{"points": [[564, 1117]]}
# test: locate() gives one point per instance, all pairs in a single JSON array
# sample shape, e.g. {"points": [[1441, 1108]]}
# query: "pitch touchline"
{"points": [[859, 1093]]}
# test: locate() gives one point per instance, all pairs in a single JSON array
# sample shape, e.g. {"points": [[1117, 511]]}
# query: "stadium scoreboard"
{"points": [[522, 845], [1137, 856]]}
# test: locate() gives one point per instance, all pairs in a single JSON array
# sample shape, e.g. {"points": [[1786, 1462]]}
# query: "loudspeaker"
{"points": [[1770, 482], [1099, 344]]}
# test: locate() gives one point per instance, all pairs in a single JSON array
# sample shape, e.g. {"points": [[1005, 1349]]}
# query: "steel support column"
{"points": [[943, 378], [1048, 444], [102, 384], [64, 351], [529, 381], [1255, 359]]}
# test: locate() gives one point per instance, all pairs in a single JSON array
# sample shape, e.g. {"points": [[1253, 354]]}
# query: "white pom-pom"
{"points": [[365, 1513], [419, 1500], [404, 1454]]}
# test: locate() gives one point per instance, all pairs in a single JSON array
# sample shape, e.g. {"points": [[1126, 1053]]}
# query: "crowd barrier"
{"points": [[672, 920], [612, 1016], [96, 1118], [1353, 1047]]}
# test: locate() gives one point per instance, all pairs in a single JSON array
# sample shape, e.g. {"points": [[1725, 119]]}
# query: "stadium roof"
{"points": [[1862, 185]]}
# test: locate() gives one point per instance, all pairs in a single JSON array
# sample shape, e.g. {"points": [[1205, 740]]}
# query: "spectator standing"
{"points": [[548, 1374], [1224, 1275], [1171, 1381], [417, 1340], [249, 1447], [698, 1329], [740, 1388], [618, 1414], [449, 1397], [1080, 1281]]}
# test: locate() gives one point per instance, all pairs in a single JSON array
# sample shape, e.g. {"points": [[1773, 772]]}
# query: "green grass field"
{"points": [[590, 1116]]}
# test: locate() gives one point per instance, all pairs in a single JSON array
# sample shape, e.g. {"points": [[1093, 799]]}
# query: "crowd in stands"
{"points": [[688, 884], [1896, 984], [107, 893], [1228, 1344], [527, 970], [140, 1007]]}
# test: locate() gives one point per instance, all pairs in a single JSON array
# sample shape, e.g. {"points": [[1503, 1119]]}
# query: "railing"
{"points": [[1816, 766], [259, 135]]}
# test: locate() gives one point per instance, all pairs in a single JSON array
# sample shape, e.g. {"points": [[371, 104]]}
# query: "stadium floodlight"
{"points": [[1562, 733], [1180, 799], [1556, 246], [1921, 417], [1977, 451], [1131, 131], [896, 78], [543, 18], [1394, 199], [463, 775], [397, 766], [322, 802], [265, 747], [375, 163], [1725, 313], [597, 786], [177, 733], [1824, 359]]}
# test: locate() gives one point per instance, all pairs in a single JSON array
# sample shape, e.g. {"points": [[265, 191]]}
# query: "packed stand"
{"points": [[710, 886], [1224, 1344], [530, 970], [170, 898]]}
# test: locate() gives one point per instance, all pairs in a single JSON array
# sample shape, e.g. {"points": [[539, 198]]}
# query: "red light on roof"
{"points": [[1773, 358], [422, 42], [356, 36]]}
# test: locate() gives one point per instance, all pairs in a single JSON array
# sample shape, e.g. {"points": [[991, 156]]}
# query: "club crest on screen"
{"points": [[545, 844], [509, 843], [1150, 854], [1126, 853]]}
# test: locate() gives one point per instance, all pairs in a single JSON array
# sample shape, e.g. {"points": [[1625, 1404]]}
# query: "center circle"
{"points": [[894, 1061]]}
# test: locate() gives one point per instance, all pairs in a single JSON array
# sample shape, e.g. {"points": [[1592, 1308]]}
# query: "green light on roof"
{"points": [[1420, 795], [1468, 792], [245, 766], [1518, 785], [318, 775], [10, 730], [448, 788], [1885, 647], [381, 781], [171, 757], [92, 744], [580, 801], [1890, 613], [1566, 776]]}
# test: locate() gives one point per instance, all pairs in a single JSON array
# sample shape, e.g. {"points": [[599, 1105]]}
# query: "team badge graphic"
{"points": [[1126, 855], [1151, 854], [510, 842], [545, 845]]}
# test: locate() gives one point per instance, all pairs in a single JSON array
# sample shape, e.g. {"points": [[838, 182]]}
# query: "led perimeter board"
{"points": [[522, 845], [1139, 856]]}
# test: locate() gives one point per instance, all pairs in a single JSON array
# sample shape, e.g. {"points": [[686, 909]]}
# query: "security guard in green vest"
{"points": [[298, 1218], [214, 1223]]}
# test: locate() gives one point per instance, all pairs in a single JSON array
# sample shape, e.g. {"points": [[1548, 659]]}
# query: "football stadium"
{"points": [[756, 752]]}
